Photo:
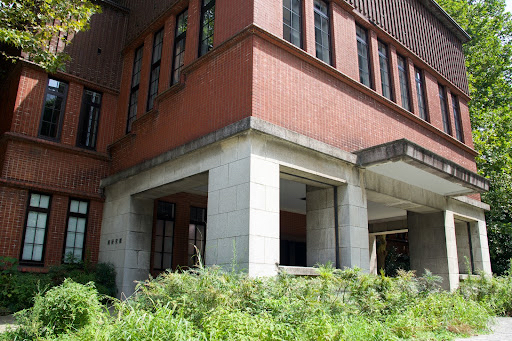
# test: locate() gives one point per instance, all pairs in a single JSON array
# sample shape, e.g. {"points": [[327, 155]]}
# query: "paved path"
{"points": [[501, 331], [5, 322]]}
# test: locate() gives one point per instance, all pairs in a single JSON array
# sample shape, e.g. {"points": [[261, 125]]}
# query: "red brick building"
{"points": [[271, 133]]}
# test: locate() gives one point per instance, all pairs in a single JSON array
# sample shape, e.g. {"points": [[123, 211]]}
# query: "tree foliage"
{"points": [[489, 66], [31, 26]]}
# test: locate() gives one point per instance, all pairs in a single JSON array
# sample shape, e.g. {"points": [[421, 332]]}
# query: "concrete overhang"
{"points": [[407, 162]]}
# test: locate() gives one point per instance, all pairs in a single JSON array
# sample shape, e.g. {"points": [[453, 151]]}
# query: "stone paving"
{"points": [[501, 331]]}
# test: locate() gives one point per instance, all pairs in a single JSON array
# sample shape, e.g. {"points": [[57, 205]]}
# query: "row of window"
{"points": [[164, 235], [292, 32], [205, 45], [36, 229], [53, 114]]}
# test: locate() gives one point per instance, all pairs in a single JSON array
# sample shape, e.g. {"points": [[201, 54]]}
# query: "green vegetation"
{"points": [[18, 289], [208, 304]]}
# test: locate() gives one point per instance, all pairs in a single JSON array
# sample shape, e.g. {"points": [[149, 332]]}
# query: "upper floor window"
{"points": [[154, 75], [75, 235], [292, 16], [89, 119], [196, 235], [457, 119], [404, 83], [164, 236], [53, 109], [134, 90], [444, 110], [179, 45], [385, 77], [420, 90], [322, 29], [34, 239], [363, 54], [207, 23]]}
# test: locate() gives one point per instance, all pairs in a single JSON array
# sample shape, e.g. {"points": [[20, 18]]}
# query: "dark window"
{"points": [[134, 91], [420, 90], [384, 70], [164, 236], [75, 235], [179, 45], [154, 75], [53, 109], [207, 23], [89, 119], [196, 235], [444, 110], [35, 228], [457, 119], [292, 16], [322, 29], [363, 54], [404, 83]]}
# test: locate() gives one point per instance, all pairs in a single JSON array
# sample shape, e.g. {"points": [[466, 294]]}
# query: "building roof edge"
{"points": [[446, 19]]}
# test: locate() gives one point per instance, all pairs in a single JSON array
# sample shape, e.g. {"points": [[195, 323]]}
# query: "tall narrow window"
{"points": [[322, 29], [53, 109], [207, 23], [444, 110], [420, 90], [404, 83], [179, 45], [75, 236], [134, 91], [35, 228], [385, 78], [196, 235], [363, 54], [154, 75], [292, 16], [457, 119], [164, 236], [89, 119]]}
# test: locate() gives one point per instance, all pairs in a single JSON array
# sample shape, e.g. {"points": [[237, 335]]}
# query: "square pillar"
{"points": [[243, 216], [433, 246], [320, 228], [480, 247], [126, 239], [372, 242]]}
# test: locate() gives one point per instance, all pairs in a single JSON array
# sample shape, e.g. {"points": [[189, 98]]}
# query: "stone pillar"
{"points": [[372, 242], [126, 239], [243, 215], [432, 246], [320, 236], [480, 246], [353, 227]]}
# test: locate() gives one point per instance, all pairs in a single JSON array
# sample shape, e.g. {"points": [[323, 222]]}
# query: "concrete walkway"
{"points": [[501, 331], [6, 322]]}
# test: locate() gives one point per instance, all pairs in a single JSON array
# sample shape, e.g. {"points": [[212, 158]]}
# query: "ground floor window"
{"points": [[75, 234], [35, 228], [196, 235], [164, 235]]}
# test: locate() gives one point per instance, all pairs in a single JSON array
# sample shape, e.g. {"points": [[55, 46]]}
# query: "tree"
{"points": [[489, 66], [31, 26]]}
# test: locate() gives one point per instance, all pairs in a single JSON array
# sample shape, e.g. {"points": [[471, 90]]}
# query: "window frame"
{"points": [[78, 215], [300, 16], [366, 47], [154, 66], [40, 210], [162, 252], [384, 59], [134, 88], [420, 93], [178, 38], [84, 115], [326, 17], [204, 9], [445, 112], [457, 119], [64, 97], [196, 223], [403, 79]]}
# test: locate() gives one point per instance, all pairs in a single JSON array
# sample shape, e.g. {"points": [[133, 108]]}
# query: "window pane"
{"points": [[32, 219], [169, 228], [30, 235], [158, 243], [167, 261], [41, 220], [27, 252], [78, 254], [168, 244], [83, 207], [39, 237], [80, 227], [73, 207], [70, 240], [157, 260], [37, 254], [79, 240], [34, 200]]}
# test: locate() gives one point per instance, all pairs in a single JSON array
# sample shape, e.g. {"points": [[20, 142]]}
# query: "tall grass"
{"points": [[208, 304]]}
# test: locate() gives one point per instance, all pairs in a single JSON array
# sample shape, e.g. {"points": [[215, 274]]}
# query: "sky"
{"points": [[509, 5]]}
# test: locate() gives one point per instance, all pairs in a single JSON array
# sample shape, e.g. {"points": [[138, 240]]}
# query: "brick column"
{"points": [[374, 61], [308, 27]]}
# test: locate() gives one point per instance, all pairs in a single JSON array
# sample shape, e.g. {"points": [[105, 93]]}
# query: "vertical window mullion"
{"points": [[179, 45], [363, 53], [292, 21], [384, 70], [444, 110], [154, 74], [404, 83], [457, 119], [420, 90], [134, 91], [207, 26], [322, 31]]}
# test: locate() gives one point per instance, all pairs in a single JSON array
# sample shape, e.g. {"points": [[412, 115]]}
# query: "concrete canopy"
{"points": [[407, 162]]}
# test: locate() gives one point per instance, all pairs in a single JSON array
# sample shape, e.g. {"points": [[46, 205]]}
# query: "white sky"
{"points": [[509, 5]]}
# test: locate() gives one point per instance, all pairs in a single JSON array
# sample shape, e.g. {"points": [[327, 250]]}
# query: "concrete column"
{"points": [[243, 215], [353, 227], [372, 242], [126, 239], [320, 236], [433, 246], [480, 246]]}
